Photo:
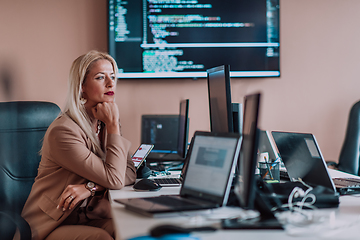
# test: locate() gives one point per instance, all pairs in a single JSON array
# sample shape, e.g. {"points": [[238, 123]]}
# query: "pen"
{"points": [[269, 169]]}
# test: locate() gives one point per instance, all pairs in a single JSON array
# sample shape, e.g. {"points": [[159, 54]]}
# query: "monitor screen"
{"points": [[183, 128], [219, 93], [181, 39], [168, 134], [212, 158], [245, 186]]}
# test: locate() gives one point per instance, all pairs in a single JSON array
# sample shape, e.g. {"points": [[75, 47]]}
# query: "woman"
{"points": [[83, 155]]}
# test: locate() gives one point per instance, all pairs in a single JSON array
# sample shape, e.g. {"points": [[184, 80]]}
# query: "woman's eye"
{"points": [[99, 78]]}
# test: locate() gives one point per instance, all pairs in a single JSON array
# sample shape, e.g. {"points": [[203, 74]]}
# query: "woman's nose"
{"points": [[110, 82]]}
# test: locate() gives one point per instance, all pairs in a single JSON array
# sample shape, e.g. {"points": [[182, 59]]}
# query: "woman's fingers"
{"points": [[72, 195], [66, 199], [106, 112], [68, 202]]}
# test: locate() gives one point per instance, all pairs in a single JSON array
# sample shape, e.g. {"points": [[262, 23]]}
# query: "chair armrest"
{"points": [[332, 165], [21, 224]]}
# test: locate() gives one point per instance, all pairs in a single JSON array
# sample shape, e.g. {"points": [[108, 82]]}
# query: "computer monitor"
{"points": [[224, 116], [174, 39], [183, 128], [168, 134], [245, 187]]}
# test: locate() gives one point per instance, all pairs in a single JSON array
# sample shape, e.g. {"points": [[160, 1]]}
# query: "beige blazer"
{"points": [[67, 159]]}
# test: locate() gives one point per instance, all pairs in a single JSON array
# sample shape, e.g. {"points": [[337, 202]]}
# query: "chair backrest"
{"points": [[350, 152], [22, 128]]}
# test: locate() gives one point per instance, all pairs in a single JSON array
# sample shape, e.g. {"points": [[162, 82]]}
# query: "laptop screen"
{"points": [[302, 158], [212, 159]]}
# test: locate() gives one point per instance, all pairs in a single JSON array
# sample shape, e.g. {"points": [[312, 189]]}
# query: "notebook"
{"points": [[207, 179], [302, 158]]}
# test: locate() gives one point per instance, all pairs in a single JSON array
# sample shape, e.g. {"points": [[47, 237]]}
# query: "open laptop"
{"points": [[169, 181], [303, 159], [207, 180], [266, 145]]}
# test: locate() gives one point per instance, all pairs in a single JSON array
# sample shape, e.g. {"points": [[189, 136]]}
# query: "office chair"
{"points": [[349, 158], [22, 128]]}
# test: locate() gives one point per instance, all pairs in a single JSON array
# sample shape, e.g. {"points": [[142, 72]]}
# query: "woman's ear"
{"points": [[83, 99]]}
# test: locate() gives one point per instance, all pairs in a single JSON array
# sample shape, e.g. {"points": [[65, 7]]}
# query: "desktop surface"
{"points": [[331, 223]]}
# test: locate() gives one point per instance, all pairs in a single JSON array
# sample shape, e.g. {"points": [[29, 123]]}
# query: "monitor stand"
{"points": [[266, 220]]}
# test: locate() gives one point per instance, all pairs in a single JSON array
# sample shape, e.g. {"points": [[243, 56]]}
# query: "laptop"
{"points": [[169, 181], [266, 145], [302, 158], [207, 180]]}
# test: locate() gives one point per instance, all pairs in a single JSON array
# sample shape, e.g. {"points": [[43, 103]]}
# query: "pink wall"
{"points": [[319, 63]]}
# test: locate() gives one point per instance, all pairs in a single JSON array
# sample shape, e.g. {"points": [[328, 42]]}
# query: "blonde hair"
{"points": [[73, 107]]}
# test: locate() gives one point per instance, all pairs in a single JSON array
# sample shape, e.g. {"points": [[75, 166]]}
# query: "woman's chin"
{"points": [[109, 98]]}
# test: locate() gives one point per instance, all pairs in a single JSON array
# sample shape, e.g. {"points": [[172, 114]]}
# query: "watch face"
{"points": [[90, 185]]}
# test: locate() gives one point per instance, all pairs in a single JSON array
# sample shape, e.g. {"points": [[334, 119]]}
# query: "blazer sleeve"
{"points": [[69, 149], [130, 175]]}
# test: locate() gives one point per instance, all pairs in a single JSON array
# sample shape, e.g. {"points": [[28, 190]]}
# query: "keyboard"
{"points": [[347, 182], [167, 181], [170, 201], [284, 175]]}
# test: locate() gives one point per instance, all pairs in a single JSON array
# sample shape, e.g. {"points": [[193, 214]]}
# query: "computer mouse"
{"points": [[146, 184], [161, 230]]}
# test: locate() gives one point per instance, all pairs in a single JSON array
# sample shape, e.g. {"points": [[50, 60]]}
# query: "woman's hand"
{"points": [[72, 195], [108, 113]]}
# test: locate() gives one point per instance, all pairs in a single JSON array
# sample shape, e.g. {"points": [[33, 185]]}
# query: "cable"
{"points": [[296, 214]]}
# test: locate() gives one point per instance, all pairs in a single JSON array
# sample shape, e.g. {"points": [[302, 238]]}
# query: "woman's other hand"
{"points": [[72, 195], [108, 113]]}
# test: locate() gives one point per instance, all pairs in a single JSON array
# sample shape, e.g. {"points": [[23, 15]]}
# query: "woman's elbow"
{"points": [[116, 185], [120, 182], [115, 181], [130, 179]]}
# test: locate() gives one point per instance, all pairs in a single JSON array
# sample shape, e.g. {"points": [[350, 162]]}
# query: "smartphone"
{"points": [[141, 153]]}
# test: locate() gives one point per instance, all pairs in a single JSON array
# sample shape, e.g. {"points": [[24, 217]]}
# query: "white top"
{"points": [[333, 223]]}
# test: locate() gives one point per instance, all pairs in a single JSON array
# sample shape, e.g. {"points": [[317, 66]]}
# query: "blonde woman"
{"points": [[83, 155]]}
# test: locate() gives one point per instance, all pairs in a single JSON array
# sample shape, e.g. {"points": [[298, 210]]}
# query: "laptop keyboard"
{"points": [[347, 182], [170, 201], [167, 181]]}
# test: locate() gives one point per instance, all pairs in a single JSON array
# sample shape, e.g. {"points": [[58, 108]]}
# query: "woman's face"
{"points": [[99, 84]]}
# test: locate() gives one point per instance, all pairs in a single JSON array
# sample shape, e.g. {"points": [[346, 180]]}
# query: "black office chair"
{"points": [[349, 158], [22, 128]]}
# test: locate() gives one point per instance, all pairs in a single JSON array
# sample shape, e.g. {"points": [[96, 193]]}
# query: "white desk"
{"points": [[337, 223]]}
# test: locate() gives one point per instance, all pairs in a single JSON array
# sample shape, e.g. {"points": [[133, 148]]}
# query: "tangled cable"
{"points": [[296, 214]]}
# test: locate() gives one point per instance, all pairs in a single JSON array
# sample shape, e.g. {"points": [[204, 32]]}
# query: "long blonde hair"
{"points": [[73, 107]]}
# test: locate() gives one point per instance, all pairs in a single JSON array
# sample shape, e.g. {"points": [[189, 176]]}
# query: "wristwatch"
{"points": [[91, 187]]}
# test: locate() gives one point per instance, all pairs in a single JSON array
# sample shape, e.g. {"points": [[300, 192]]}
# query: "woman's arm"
{"points": [[130, 171], [70, 148]]}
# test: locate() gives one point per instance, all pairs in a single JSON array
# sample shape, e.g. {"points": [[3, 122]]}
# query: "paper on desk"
{"points": [[322, 226], [210, 216], [231, 212]]}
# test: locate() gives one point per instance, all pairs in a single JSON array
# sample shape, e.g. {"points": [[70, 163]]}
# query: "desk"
{"points": [[336, 223]]}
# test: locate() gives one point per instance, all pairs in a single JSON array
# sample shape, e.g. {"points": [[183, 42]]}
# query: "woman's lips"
{"points": [[110, 93]]}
